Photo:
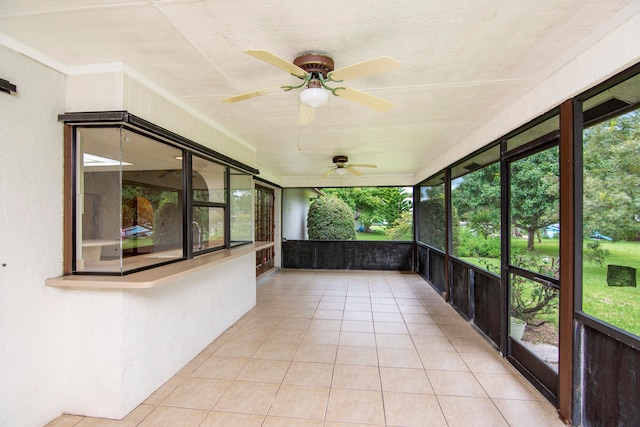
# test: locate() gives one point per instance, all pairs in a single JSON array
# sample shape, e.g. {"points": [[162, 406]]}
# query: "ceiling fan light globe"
{"points": [[341, 171], [314, 97]]}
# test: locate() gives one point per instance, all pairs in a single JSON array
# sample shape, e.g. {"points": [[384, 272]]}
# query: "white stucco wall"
{"points": [[295, 206], [114, 87], [131, 341], [90, 352], [32, 358]]}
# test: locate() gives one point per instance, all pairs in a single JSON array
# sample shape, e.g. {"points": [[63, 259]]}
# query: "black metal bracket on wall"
{"points": [[7, 86]]}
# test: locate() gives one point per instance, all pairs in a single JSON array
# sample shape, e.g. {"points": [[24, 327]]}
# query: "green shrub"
{"points": [[596, 253], [330, 218], [475, 246], [402, 228]]}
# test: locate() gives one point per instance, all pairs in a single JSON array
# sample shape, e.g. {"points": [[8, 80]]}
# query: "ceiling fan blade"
{"points": [[249, 95], [326, 174], [363, 166], [365, 99], [272, 59], [353, 171], [305, 114], [384, 64]]}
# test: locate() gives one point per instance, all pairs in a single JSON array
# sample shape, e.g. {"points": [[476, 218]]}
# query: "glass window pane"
{"points": [[611, 215], [98, 244], [431, 213], [129, 205], [207, 228], [208, 181], [240, 205]]}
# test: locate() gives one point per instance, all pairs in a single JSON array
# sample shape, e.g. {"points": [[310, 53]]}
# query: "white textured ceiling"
{"points": [[461, 62]]}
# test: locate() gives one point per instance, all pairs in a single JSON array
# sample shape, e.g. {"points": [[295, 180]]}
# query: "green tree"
{"points": [[483, 222], [432, 216], [479, 191], [330, 218], [402, 228], [373, 204], [476, 198], [535, 193], [612, 177]]}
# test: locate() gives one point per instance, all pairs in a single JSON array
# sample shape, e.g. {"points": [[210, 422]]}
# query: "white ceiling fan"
{"points": [[341, 167], [317, 72]]}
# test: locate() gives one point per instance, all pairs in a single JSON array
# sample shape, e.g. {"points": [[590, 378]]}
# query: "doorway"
{"points": [[264, 228], [531, 262]]}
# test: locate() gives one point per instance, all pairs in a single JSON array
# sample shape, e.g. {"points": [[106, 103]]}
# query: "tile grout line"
{"points": [[424, 369]]}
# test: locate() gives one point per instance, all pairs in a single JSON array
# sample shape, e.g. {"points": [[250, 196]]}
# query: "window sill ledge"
{"points": [[156, 276]]}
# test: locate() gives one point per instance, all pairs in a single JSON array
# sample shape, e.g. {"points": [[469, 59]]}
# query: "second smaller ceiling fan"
{"points": [[341, 167]]}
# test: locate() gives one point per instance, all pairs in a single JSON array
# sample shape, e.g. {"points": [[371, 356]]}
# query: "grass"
{"points": [[376, 233], [137, 242], [618, 306], [545, 246]]}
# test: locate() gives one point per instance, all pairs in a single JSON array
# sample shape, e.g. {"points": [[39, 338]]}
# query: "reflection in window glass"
{"points": [[208, 181], [432, 214], [128, 210], [475, 199], [207, 228], [209, 197], [240, 204], [611, 219]]}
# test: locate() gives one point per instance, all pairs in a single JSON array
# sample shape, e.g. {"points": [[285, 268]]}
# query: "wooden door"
{"points": [[265, 228]]}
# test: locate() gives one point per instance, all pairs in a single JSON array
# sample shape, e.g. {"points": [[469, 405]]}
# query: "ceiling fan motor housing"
{"points": [[340, 160], [315, 64]]}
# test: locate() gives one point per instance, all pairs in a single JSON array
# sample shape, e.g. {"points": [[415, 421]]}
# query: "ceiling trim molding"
{"points": [[29, 52]]}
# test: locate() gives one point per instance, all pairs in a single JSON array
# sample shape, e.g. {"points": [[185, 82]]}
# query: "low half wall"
{"points": [[347, 255]]}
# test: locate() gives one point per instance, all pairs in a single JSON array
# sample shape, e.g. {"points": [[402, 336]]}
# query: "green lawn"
{"points": [[545, 246], [376, 233], [135, 242], [619, 306]]}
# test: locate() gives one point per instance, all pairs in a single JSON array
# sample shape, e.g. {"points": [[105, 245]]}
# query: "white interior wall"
{"points": [[32, 337], [94, 326], [124, 344], [162, 329], [87, 352], [295, 206], [114, 87]]}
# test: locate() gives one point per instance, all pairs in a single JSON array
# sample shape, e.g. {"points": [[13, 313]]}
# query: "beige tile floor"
{"points": [[340, 349]]}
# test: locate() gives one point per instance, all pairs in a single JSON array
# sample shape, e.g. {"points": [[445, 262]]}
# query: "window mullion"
{"points": [[187, 198]]}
